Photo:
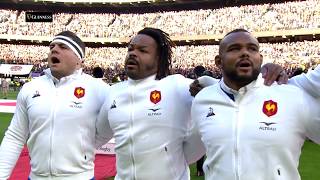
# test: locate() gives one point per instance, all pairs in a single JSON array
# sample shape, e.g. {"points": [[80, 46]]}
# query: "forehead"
{"points": [[143, 40], [57, 43], [239, 38]]}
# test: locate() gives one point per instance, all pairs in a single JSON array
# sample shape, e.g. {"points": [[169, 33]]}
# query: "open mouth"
{"points": [[244, 64], [131, 63], [55, 60]]}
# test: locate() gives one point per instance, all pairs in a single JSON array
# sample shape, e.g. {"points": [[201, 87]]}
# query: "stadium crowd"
{"points": [[289, 55], [255, 18], [292, 56]]}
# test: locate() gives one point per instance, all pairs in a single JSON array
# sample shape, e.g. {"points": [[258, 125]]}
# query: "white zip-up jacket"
{"points": [[259, 135], [151, 124], [57, 121], [310, 82]]}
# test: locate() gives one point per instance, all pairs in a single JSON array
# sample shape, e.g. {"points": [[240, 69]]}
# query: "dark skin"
{"points": [[270, 72], [142, 57], [236, 50], [239, 59]]}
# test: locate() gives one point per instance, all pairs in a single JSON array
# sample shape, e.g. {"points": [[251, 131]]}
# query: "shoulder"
{"points": [[207, 92], [94, 81], [283, 89], [177, 79], [36, 81], [119, 85]]}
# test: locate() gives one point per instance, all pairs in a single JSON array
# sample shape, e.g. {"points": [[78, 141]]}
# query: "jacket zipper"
{"points": [[52, 127], [131, 138], [236, 152]]}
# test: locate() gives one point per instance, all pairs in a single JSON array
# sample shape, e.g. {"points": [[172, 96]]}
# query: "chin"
{"points": [[131, 75]]}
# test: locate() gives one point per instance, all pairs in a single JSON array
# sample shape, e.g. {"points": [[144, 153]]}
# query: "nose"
{"points": [[132, 51], [132, 54], [54, 48], [245, 52]]}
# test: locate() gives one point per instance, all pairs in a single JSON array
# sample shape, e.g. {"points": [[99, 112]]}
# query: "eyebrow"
{"points": [[136, 45], [238, 44], [56, 43]]}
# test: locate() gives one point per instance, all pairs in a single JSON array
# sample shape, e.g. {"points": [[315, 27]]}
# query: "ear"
{"points": [[158, 60], [217, 61], [261, 59]]}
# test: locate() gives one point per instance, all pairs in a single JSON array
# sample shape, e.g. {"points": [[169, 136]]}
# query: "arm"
{"points": [[14, 139], [309, 82], [200, 83], [103, 130], [193, 147], [270, 72], [312, 117]]}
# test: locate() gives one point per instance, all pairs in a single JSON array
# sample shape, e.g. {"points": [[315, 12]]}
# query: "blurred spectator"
{"points": [[255, 18], [4, 88], [97, 72]]}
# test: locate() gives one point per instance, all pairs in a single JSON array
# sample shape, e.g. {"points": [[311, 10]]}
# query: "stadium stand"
{"points": [[290, 30]]}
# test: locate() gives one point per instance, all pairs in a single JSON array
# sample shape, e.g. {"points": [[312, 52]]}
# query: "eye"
{"points": [[234, 49], [130, 48], [51, 46], [142, 50], [64, 46], [253, 48]]}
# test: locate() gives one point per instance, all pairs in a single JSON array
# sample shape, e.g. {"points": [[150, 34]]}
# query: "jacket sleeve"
{"points": [[103, 130], [310, 82], [102, 91], [14, 139], [312, 117], [206, 81], [193, 147]]}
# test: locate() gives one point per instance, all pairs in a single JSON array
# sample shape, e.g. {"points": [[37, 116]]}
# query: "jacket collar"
{"points": [[234, 93], [75, 75], [142, 81]]}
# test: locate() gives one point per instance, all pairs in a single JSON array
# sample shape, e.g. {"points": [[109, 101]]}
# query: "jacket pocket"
{"points": [[169, 161], [278, 173], [84, 143]]}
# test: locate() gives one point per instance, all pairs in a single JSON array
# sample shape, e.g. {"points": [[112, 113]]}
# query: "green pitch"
{"points": [[11, 95], [309, 161]]}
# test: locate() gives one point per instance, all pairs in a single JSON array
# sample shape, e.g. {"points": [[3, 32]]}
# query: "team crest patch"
{"points": [[270, 108], [155, 96], [79, 92]]}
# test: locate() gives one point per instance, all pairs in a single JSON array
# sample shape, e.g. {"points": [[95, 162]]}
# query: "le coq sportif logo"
{"points": [[39, 17]]}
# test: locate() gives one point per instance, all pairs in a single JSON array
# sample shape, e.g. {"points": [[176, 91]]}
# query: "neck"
{"points": [[59, 75], [235, 85]]}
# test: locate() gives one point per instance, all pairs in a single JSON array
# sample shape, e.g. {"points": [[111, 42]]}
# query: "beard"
{"points": [[242, 79]]}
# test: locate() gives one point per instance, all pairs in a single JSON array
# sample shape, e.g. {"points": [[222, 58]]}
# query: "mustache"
{"points": [[131, 61], [244, 62]]}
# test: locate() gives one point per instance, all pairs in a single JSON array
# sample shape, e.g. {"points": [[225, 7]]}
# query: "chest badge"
{"points": [[270, 108], [155, 96], [79, 92]]}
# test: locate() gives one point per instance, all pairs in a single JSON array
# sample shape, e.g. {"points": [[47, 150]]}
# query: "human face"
{"points": [[142, 57], [62, 60], [240, 59]]}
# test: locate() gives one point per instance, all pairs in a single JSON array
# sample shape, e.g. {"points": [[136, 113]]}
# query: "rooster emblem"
{"points": [[270, 108]]}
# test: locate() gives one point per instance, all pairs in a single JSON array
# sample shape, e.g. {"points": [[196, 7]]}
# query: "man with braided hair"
{"points": [[55, 116], [149, 114]]}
